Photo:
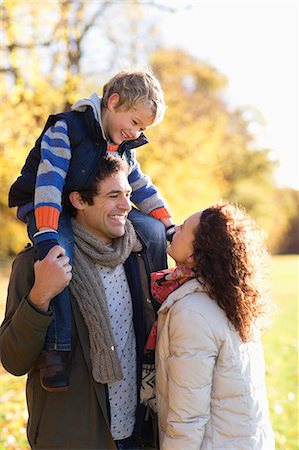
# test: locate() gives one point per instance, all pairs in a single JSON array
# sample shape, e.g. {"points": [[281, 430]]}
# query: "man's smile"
{"points": [[119, 217]]}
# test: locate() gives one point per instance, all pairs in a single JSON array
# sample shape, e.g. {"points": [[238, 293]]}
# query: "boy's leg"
{"points": [[153, 235], [59, 335], [53, 360], [59, 331]]}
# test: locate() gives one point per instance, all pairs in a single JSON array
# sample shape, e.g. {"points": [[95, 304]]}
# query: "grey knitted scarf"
{"points": [[87, 289]]}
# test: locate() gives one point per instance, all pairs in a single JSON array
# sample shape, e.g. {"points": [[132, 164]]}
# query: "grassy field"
{"points": [[281, 353]]}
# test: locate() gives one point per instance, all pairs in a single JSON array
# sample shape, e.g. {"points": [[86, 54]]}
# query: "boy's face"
{"points": [[125, 124]]}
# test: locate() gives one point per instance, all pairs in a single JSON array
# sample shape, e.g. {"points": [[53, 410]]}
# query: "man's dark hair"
{"points": [[109, 166]]}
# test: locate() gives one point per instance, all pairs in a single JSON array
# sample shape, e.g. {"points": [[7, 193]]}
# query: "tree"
{"points": [[201, 152], [43, 70], [205, 148], [286, 218]]}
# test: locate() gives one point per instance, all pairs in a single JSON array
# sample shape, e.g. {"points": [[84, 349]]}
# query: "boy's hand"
{"points": [[52, 275], [169, 225], [44, 240], [170, 232]]}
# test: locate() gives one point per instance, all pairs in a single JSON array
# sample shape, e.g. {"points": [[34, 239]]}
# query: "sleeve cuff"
{"points": [[161, 213], [47, 217], [37, 309]]}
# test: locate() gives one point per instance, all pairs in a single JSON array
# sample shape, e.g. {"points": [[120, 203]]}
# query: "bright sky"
{"points": [[255, 44]]}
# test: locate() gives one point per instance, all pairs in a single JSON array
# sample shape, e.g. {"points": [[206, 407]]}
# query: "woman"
{"points": [[210, 383]]}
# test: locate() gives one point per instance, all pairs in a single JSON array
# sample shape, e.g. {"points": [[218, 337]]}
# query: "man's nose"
{"points": [[125, 203]]}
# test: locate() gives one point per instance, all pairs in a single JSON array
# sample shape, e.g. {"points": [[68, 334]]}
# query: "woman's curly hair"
{"points": [[230, 253]]}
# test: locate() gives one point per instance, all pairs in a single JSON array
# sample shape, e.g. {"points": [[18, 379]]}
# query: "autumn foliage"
{"points": [[203, 151]]}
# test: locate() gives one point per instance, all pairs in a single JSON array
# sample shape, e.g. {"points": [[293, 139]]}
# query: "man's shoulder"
{"points": [[25, 256], [22, 271], [28, 249]]}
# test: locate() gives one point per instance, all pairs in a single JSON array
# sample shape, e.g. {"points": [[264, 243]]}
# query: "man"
{"points": [[111, 318]]}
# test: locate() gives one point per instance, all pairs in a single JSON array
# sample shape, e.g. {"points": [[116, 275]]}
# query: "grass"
{"points": [[13, 411], [281, 354]]}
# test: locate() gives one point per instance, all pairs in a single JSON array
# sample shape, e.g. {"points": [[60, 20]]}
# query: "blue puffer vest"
{"points": [[88, 147]]}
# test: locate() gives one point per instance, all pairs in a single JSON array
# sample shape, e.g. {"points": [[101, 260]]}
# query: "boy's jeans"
{"points": [[59, 331], [152, 234]]}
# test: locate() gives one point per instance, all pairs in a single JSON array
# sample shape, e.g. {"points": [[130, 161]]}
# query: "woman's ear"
{"points": [[190, 260], [76, 200], [113, 101]]}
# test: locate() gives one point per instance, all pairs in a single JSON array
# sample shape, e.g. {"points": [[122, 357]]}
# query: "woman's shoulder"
{"points": [[191, 303], [193, 296]]}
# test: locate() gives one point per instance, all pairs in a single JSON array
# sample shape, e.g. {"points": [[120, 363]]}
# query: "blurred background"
{"points": [[229, 71]]}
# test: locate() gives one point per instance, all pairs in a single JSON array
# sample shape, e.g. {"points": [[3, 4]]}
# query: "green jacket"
{"points": [[77, 418]]}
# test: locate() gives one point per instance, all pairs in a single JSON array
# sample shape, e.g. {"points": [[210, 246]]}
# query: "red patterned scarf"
{"points": [[163, 283]]}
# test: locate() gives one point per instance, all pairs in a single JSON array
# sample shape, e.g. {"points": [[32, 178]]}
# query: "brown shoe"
{"points": [[53, 371]]}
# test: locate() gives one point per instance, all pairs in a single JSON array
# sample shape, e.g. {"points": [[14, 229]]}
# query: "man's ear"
{"points": [[76, 200], [113, 101]]}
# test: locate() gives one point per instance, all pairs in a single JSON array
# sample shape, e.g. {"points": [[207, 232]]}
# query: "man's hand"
{"points": [[52, 275]]}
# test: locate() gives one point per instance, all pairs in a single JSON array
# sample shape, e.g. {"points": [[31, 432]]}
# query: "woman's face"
{"points": [[181, 249]]}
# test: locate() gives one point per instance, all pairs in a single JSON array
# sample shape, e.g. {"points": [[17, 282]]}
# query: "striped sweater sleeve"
{"points": [[146, 196], [51, 174]]}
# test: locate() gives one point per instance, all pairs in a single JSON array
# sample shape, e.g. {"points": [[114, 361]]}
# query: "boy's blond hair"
{"points": [[133, 87]]}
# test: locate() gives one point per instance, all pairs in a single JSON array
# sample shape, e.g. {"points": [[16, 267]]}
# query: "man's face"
{"points": [[107, 217], [125, 124]]}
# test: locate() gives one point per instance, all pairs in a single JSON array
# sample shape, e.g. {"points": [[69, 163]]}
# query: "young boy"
{"points": [[66, 158]]}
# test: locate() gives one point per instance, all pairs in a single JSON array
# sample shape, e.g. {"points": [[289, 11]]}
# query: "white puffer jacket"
{"points": [[210, 386]]}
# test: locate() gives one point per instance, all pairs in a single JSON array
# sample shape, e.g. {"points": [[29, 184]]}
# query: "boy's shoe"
{"points": [[53, 374]]}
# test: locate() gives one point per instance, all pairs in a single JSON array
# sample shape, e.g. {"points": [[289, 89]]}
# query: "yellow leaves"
{"points": [[13, 234], [201, 152], [188, 73]]}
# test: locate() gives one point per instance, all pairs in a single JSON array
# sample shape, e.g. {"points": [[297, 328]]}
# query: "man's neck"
{"points": [[105, 240]]}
